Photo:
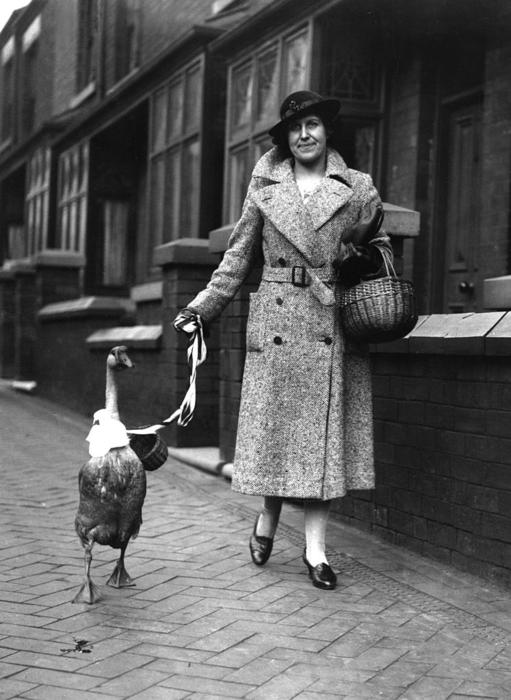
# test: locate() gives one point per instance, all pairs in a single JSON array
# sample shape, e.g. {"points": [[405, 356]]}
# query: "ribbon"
{"points": [[106, 434], [196, 354]]}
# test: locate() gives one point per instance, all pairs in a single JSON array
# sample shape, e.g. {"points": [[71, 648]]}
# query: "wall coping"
{"points": [[86, 306], [20, 266], [184, 251], [16, 264], [149, 291], [497, 293], [137, 337], [470, 333], [58, 258], [44, 258]]}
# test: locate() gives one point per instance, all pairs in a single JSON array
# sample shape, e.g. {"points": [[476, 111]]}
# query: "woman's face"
{"points": [[307, 139]]}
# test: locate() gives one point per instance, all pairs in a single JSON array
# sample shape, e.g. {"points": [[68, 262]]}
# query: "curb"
{"points": [[204, 458]]}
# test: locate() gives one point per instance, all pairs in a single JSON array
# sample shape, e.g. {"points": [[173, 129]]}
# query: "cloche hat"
{"points": [[299, 104]]}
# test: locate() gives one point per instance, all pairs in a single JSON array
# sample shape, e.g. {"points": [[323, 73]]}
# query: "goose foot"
{"points": [[120, 577], [88, 593]]}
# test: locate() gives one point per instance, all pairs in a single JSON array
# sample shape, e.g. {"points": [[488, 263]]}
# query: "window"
{"points": [[175, 156], [352, 73], [257, 84], [8, 90], [37, 200], [30, 59], [127, 38], [87, 43], [73, 178]]}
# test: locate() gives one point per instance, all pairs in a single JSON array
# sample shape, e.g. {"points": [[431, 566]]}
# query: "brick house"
{"points": [[128, 132]]}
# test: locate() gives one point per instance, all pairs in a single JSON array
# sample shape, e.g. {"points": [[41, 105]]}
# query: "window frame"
{"points": [[73, 198], [37, 200], [127, 45], [87, 44], [254, 134], [166, 142], [357, 113]]}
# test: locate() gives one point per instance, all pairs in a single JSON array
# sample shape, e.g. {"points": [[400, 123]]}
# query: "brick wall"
{"points": [[7, 325], [25, 333], [443, 460], [181, 282], [71, 370], [233, 323], [402, 140], [64, 16]]}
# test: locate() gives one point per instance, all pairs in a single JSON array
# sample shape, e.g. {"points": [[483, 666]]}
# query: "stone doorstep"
{"points": [[205, 458]]}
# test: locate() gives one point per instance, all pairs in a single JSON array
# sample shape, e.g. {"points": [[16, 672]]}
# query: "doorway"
{"points": [[459, 223]]}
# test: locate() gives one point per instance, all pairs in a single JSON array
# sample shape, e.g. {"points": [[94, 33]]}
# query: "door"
{"points": [[462, 208], [115, 243]]}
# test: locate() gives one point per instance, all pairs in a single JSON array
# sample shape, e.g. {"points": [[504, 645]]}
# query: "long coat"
{"points": [[305, 426]]}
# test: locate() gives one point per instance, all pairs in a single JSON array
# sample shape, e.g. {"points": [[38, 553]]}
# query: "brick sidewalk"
{"points": [[203, 621]]}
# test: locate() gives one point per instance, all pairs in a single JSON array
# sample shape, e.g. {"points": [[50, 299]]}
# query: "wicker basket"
{"points": [[379, 310], [151, 450]]}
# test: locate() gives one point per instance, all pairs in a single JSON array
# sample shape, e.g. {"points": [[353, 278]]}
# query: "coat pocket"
{"points": [[255, 323]]}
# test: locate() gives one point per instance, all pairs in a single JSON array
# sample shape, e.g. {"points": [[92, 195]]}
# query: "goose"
{"points": [[112, 486]]}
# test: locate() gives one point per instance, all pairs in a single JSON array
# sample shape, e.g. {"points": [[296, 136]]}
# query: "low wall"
{"points": [[442, 405], [73, 338]]}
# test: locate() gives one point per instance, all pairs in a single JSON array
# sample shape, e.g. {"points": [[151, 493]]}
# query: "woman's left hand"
{"points": [[185, 321], [364, 261]]}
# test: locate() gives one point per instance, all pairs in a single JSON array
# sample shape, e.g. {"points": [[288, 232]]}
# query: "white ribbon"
{"points": [[196, 355], [105, 434]]}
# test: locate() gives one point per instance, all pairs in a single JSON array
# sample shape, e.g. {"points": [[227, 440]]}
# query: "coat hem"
{"points": [[276, 493]]}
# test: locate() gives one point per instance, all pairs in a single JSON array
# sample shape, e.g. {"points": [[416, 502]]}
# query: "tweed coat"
{"points": [[305, 427]]}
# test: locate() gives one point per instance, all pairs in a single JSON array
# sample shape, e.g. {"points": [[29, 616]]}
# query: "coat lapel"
{"points": [[281, 202], [329, 197]]}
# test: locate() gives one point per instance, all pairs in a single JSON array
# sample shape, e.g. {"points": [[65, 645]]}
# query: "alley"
{"points": [[202, 621]]}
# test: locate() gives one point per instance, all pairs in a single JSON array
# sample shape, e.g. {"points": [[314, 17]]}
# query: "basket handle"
{"points": [[387, 261]]}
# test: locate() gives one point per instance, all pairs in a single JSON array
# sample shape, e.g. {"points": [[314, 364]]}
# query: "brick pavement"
{"points": [[202, 621]]}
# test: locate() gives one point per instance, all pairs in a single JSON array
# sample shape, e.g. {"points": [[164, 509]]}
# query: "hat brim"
{"points": [[327, 109]]}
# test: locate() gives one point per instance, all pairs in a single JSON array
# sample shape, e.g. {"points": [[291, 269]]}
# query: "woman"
{"points": [[305, 423]]}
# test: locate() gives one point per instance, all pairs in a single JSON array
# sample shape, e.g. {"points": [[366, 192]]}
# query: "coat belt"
{"points": [[321, 280]]}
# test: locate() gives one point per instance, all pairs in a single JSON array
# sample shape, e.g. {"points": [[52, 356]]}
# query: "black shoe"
{"points": [[322, 575], [260, 547]]}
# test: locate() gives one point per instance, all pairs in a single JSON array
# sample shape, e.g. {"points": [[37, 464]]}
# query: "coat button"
{"points": [[282, 262], [277, 340], [327, 341], [279, 301]]}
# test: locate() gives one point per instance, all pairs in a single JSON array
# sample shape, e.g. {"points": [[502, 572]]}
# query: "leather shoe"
{"points": [[322, 575], [260, 547]]}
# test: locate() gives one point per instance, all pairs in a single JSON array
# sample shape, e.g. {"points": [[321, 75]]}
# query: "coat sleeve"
{"points": [[381, 242], [244, 248]]}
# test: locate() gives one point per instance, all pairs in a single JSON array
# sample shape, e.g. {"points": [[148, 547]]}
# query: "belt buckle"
{"points": [[300, 281]]}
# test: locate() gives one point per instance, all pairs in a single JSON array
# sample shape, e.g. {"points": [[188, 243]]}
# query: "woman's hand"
{"points": [[186, 321], [363, 262]]}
